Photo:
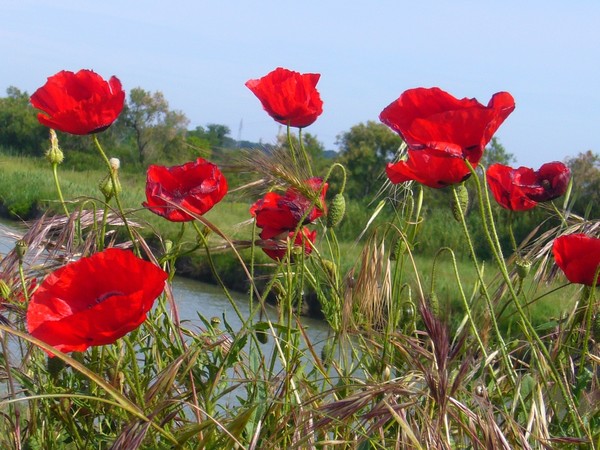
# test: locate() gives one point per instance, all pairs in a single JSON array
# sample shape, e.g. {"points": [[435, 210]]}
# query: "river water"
{"points": [[193, 297]]}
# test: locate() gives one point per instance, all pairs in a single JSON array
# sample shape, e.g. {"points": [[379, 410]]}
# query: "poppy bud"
{"points": [[460, 203], [106, 185], [434, 304], [54, 154], [408, 312], [337, 208], [398, 248], [523, 268], [330, 268]]}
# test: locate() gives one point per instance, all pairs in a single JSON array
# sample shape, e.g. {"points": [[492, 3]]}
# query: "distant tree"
{"points": [[159, 133], [20, 130], [364, 151], [585, 171], [213, 136], [314, 148], [496, 153]]}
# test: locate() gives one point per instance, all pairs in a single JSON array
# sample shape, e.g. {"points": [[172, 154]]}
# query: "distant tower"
{"points": [[239, 136]]}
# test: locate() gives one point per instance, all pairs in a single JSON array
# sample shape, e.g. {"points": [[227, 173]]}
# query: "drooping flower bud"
{"points": [[106, 185], [459, 208], [54, 154], [337, 209]]}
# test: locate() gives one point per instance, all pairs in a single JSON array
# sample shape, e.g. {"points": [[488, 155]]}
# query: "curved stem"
{"points": [[531, 334]]}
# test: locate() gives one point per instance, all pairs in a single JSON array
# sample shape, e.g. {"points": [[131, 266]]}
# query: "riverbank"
{"points": [[27, 191]]}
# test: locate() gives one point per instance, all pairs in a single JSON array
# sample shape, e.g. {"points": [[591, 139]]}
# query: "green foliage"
{"points": [[364, 151], [585, 172], [20, 132]]}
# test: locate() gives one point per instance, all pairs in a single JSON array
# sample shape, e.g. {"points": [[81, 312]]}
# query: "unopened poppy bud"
{"points": [[168, 246], [398, 249], [408, 312], [54, 154], [21, 249], [330, 268], [337, 209], [434, 304], [215, 321], [107, 188], [523, 268], [460, 203]]}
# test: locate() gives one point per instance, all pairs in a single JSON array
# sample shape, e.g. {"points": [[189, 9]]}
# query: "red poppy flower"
{"points": [[429, 169], [433, 120], [79, 103], [289, 97], [195, 186], [506, 186], [277, 214], [277, 249], [94, 301], [578, 256], [521, 189], [552, 181]]}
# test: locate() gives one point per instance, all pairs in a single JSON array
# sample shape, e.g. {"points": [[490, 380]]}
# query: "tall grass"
{"points": [[427, 349]]}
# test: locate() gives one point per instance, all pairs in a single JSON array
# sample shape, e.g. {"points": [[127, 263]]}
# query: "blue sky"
{"points": [[200, 54]]}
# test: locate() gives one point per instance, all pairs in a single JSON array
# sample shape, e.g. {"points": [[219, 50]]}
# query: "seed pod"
{"points": [[460, 208], [337, 209], [523, 268], [21, 248]]}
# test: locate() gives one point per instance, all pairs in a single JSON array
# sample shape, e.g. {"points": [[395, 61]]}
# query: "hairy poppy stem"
{"points": [[492, 237], [304, 153]]}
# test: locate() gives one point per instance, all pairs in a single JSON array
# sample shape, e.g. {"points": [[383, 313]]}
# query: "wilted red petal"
{"points": [[95, 300], [289, 97], [79, 103], [435, 121], [521, 189], [578, 256], [504, 182], [195, 186], [552, 179]]}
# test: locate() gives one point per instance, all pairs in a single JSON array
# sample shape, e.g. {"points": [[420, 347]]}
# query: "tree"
{"points": [[364, 151], [313, 147], [496, 153], [158, 131], [585, 172], [19, 127]]}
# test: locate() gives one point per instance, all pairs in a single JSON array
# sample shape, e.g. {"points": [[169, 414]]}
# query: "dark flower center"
{"points": [[104, 297]]}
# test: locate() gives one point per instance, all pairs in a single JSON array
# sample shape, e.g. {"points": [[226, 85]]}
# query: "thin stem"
{"points": [[531, 334], [113, 179], [58, 189], [304, 153]]}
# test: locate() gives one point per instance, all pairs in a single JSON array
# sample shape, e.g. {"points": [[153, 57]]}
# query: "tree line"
{"points": [[148, 131]]}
